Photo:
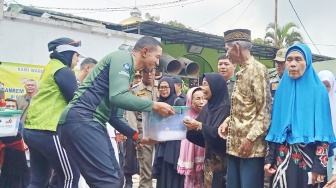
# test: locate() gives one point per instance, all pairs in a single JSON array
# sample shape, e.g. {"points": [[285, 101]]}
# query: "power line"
{"points": [[125, 8], [157, 5], [172, 5], [241, 14], [304, 27], [220, 14]]}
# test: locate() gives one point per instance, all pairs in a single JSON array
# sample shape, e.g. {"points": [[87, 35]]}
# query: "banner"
{"points": [[14, 76]]}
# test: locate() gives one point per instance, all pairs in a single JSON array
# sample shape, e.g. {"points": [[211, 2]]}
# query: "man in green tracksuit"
{"points": [[82, 128]]}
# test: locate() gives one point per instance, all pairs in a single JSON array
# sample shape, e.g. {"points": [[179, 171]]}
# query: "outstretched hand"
{"points": [[163, 109], [148, 141]]}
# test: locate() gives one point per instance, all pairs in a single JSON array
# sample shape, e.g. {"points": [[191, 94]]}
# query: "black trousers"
{"points": [[91, 148], [131, 164]]}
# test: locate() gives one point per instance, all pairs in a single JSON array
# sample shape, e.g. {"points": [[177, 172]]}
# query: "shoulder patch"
{"points": [[274, 85], [126, 67], [135, 86]]}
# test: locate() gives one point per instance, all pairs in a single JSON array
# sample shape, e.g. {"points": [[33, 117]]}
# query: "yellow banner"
{"points": [[14, 76]]}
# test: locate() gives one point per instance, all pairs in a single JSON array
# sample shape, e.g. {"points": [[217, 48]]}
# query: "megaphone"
{"points": [[170, 64], [189, 68]]}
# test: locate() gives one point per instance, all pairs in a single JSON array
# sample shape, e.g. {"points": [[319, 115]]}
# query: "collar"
{"points": [[248, 62], [232, 79], [27, 98], [148, 88], [183, 95]]}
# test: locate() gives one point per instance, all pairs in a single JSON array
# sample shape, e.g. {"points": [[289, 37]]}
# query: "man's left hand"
{"points": [[245, 148]]}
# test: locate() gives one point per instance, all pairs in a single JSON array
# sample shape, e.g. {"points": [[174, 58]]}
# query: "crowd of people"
{"points": [[246, 129]]}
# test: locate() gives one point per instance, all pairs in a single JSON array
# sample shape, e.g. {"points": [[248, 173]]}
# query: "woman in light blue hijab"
{"points": [[301, 129]]}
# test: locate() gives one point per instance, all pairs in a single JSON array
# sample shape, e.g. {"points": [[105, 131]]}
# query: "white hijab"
{"points": [[326, 75]]}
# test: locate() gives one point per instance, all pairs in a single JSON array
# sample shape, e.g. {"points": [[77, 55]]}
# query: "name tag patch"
{"points": [[142, 94]]}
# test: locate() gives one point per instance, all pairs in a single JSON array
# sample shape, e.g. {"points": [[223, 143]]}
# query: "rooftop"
{"points": [[168, 34]]}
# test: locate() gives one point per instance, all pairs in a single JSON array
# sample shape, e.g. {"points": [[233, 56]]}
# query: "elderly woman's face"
{"points": [[197, 101], [206, 90], [295, 64]]}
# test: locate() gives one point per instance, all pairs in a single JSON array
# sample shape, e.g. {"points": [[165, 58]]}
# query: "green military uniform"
{"points": [[145, 153]]}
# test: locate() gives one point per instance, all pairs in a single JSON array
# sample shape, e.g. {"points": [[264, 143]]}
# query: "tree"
{"points": [[176, 24], [261, 41], [286, 35]]}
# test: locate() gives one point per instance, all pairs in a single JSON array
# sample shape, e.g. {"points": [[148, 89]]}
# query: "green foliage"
{"points": [[175, 23], [261, 41], [185, 87], [286, 35]]}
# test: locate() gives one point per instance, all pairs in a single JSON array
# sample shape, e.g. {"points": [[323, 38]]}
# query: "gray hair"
{"points": [[243, 44], [31, 80]]}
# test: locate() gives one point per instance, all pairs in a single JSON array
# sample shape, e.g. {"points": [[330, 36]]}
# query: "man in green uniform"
{"points": [[82, 125], [226, 68]]}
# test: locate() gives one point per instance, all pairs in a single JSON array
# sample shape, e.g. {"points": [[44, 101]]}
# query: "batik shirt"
{"points": [[250, 109]]}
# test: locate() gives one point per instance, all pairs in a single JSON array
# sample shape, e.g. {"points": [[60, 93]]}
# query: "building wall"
{"points": [[24, 38]]}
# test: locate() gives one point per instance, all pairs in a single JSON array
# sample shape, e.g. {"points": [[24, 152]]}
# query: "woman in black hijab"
{"points": [[203, 130], [167, 153]]}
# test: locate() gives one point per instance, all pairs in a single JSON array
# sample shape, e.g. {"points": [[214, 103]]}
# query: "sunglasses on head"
{"points": [[75, 43]]}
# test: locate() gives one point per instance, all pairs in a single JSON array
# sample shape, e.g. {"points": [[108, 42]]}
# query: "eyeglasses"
{"points": [[164, 88], [76, 43]]}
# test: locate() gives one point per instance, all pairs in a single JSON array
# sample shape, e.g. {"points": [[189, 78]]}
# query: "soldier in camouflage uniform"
{"points": [[147, 89]]}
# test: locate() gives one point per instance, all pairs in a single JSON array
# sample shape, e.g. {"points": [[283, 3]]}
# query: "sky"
{"points": [[217, 16]]}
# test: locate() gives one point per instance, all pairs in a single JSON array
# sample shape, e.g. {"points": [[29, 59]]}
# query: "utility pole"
{"points": [[276, 24], [1, 9]]}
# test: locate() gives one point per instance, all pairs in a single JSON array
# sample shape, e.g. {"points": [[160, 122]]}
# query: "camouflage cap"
{"points": [[280, 55]]}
